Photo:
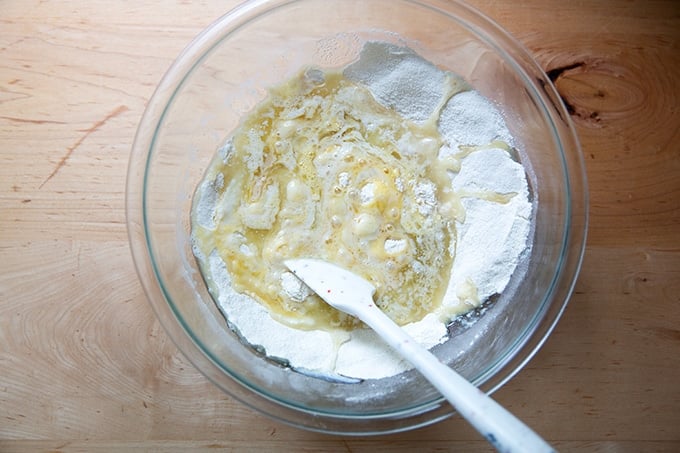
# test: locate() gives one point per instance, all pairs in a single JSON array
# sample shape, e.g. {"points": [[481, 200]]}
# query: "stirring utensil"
{"points": [[352, 294]]}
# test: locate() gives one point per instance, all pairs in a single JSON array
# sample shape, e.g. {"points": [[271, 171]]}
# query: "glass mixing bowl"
{"points": [[224, 73]]}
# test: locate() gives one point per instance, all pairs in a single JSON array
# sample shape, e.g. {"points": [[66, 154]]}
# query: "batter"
{"points": [[322, 170]]}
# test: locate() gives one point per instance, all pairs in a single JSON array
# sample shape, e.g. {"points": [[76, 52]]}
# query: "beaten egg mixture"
{"points": [[320, 169]]}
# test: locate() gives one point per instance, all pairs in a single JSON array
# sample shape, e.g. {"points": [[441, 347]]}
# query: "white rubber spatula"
{"points": [[354, 295]]}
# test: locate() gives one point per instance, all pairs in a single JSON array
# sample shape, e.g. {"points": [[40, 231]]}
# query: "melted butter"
{"points": [[320, 169], [454, 161], [495, 197]]}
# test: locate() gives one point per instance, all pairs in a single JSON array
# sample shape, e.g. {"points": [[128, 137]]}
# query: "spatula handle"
{"points": [[502, 429]]}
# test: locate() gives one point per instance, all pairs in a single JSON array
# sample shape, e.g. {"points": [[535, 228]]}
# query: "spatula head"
{"points": [[339, 287]]}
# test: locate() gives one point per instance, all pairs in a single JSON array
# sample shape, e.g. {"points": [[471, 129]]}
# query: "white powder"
{"points": [[426, 197], [491, 238], [494, 234], [470, 119], [293, 287], [306, 349], [367, 193], [399, 79], [343, 179]]}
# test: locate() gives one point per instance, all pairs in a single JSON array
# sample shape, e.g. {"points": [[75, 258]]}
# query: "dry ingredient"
{"points": [[396, 170]]}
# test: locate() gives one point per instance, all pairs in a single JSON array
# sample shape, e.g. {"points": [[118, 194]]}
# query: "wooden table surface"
{"points": [[84, 365]]}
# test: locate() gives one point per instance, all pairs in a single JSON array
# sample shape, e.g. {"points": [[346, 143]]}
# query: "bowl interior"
{"points": [[224, 73]]}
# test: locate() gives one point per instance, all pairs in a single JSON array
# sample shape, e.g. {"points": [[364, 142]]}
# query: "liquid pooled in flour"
{"points": [[320, 169]]}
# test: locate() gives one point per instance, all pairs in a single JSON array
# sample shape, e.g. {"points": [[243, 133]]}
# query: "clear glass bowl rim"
{"points": [[536, 334]]}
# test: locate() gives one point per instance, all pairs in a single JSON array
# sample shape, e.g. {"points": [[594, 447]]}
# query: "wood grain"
{"points": [[86, 367]]}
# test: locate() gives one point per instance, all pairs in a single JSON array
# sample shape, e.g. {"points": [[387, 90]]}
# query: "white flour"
{"points": [[494, 193], [399, 79], [470, 119]]}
